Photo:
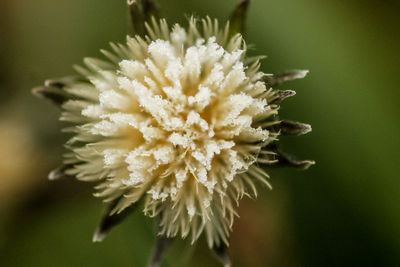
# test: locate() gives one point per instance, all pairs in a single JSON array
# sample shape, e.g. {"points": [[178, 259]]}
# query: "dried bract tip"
{"points": [[141, 11], [161, 245], [55, 95], [280, 78], [294, 128], [98, 236], [237, 20], [282, 95], [59, 172], [286, 160], [111, 219], [222, 253]]}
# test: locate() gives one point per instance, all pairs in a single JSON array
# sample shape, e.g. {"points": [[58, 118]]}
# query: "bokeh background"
{"points": [[344, 211]]}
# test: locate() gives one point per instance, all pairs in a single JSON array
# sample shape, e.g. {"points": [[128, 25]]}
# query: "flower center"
{"points": [[183, 112]]}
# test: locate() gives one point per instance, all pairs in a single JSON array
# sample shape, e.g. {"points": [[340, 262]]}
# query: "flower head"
{"points": [[180, 118], [175, 118]]}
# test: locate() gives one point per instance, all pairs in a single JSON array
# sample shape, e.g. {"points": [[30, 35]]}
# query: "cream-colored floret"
{"points": [[174, 120]]}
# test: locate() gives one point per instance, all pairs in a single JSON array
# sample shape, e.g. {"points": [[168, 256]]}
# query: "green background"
{"points": [[344, 211]]}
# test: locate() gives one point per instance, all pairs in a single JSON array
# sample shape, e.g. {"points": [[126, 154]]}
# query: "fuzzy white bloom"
{"points": [[177, 118]]}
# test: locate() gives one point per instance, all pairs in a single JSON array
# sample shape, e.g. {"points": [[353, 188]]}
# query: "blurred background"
{"points": [[344, 211]]}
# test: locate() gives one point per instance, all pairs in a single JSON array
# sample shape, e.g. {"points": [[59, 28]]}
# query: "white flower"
{"points": [[178, 118]]}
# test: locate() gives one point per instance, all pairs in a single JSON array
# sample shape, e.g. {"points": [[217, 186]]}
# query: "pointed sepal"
{"points": [[110, 219], [273, 155], [53, 90], [294, 128], [282, 95], [161, 245], [54, 94], [63, 82], [59, 173], [141, 11], [290, 161], [237, 20], [280, 78], [222, 254]]}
